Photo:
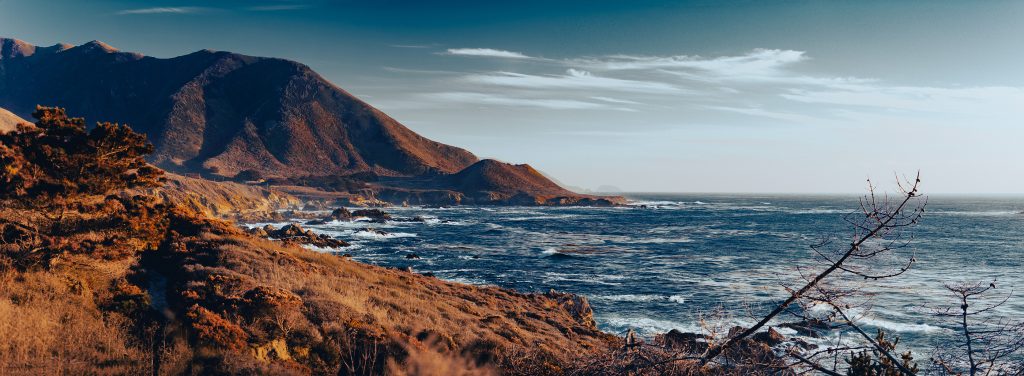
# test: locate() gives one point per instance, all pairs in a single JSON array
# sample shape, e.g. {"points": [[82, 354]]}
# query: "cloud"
{"points": [[279, 7], [762, 113], [572, 79], [163, 10], [494, 99], [758, 61], [614, 100], [486, 52], [914, 98]]}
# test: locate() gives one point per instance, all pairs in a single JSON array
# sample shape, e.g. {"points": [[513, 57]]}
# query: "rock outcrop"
{"points": [[293, 233]]}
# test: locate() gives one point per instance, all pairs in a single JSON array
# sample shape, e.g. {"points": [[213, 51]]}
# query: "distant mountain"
{"points": [[220, 113]]}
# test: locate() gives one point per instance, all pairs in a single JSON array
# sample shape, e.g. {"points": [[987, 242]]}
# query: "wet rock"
{"points": [[808, 328], [375, 215], [771, 337], [412, 256], [804, 344], [736, 330], [417, 219], [296, 234], [690, 342], [258, 231], [374, 231], [339, 214]]}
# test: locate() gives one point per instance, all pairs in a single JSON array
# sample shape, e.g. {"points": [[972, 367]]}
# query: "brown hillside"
{"points": [[8, 121], [500, 177]]}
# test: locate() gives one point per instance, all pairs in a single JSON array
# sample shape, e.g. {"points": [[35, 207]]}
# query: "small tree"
{"points": [[874, 251], [989, 345]]}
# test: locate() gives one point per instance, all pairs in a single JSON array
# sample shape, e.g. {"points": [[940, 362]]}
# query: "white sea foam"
{"points": [[899, 326], [645, 326], [629, 298], [677, 299], [365, 234]]}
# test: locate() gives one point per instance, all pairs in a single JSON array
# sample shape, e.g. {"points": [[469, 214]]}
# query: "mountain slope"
{"points": [[221, 112], [8, 121]]}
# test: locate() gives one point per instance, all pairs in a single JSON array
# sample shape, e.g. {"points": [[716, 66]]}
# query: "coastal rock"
{"points": [[339, 214], [375, 215], [771, 337], [808, 328], [690, 342], [412, 256], [374, 231], [296, 234], [577, 306]]}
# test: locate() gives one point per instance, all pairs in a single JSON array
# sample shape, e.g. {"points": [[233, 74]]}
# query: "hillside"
{"points": [[131, 278], [8, 120], [221, 112]]}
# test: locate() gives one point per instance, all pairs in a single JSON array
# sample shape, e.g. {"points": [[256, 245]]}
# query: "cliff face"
{"points": [[221, 112]]}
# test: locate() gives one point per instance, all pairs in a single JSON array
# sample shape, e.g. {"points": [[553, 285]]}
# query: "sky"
{"points": [[651, 96]]}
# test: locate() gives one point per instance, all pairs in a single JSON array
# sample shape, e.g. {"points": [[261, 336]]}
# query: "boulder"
{"points": [[577, 306], [771, 337], [689, 342], [375, 215], [296, 234], [339, 214]]}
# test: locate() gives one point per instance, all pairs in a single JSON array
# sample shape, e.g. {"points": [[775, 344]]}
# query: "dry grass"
{"points": [[347, 309], [51, 324]]}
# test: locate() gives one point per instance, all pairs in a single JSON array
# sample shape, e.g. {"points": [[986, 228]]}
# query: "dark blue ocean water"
{"points": [[666, 266]]}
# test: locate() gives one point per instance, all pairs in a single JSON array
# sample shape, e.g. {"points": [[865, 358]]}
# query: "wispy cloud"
{"points": [[758, 61], [278, 7], [614, 100], [486, 52], [763, 113], [501, 100], [572, 79], [163, 10]]}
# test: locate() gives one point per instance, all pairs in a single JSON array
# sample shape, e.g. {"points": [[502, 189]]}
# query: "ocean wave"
{"points": [[901, 327], [629, 298], [980, 213], [644, 326], [368, 234]]}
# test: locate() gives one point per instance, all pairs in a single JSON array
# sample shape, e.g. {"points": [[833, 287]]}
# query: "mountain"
{"points": [[8, 120], [221, 112], [217, 114]]}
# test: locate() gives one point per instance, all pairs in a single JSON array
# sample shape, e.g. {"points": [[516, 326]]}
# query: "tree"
{"points": [[59, 161], [877, 238], [56, 190], [988, 345]]}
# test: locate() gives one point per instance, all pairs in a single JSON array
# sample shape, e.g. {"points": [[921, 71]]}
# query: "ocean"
{"points": [[668, 260]]}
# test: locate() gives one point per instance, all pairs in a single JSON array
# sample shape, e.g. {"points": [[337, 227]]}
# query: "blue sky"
{"points": [[697, 96]]}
